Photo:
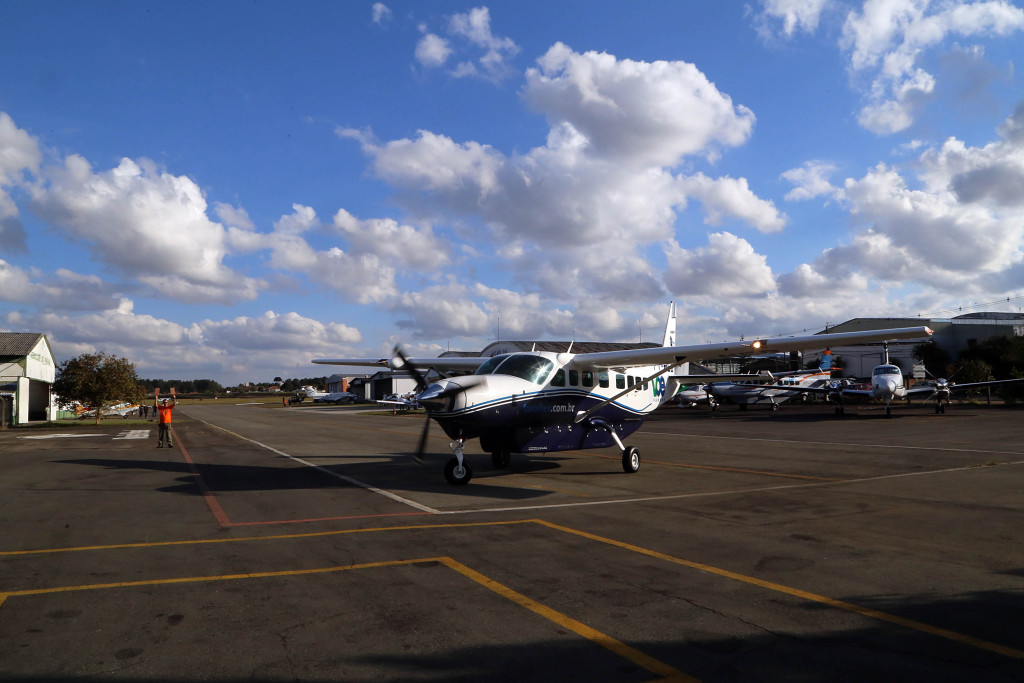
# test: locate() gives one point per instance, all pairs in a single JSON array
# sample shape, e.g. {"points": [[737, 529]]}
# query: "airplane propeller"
{"points": [[430, 396]]}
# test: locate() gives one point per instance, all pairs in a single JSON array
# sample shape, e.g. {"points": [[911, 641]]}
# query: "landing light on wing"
{"points": [[758, 344]]}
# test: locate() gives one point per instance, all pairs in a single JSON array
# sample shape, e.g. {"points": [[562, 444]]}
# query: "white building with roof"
{"points": [[27, 369]]}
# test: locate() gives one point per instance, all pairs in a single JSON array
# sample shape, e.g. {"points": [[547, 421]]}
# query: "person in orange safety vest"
{"points": [[165, 408]]}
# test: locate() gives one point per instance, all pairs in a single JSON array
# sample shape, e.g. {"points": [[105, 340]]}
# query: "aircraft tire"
{"points": [[630, 460], [501, 459], [453, 474]]}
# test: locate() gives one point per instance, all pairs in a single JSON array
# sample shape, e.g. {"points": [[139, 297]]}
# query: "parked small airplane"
{"points": [[942, 390], [123, 409], [887, 385], [542, 401], [775, 393], [400, 402], [312, 393], [337, 397]]}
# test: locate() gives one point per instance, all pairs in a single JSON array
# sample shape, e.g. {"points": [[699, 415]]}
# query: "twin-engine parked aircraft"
{"points": [[784, 387], [887, 385], [943, 389], [538, 402]]}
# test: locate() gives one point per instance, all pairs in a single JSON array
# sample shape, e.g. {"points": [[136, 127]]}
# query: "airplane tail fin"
{"points": [[670, 326], [825, 364]]}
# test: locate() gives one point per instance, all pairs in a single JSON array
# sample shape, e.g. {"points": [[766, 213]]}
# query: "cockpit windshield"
{"points": [[522, 365], [488, 365], [887, 370]]}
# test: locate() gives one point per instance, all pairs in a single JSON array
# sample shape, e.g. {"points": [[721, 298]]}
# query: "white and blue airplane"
{"points": [[785, 385], [544, 401], [887, 385]]}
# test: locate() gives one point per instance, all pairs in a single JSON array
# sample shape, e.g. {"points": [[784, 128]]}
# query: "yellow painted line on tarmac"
{"points": [[607, 642], [617, 647], [222, 577], [242, 539], [725, 573], [805, 595]]}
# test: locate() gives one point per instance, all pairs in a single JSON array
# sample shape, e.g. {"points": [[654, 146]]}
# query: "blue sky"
{"points": [[227, 190]]}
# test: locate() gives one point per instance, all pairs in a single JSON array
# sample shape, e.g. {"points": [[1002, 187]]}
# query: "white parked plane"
{"points": [[781, 390], [887, 385], [943, 389], [309, 392], [541, 401]]}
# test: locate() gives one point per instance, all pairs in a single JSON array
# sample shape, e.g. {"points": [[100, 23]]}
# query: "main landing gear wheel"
{"points": [[457, 474], [630, 460], [501, 459]]}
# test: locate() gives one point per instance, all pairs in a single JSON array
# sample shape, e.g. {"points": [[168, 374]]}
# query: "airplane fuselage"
{"points": [[887, 383], [743, 393], [530, 402]]}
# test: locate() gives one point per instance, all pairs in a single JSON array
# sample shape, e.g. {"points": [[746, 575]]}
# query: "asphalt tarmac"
{"points": [[305, 543]]}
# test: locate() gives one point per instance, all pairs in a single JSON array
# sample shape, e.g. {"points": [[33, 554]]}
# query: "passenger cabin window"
{"points": [[558, 380], [588, 378], [620, 381], [602, 379], [574, 378]]}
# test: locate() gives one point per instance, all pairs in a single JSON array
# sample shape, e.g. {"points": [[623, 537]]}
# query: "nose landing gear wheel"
{"points": [[457, 474], [630, 460]]}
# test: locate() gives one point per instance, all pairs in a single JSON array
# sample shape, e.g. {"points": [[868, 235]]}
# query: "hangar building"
{"points": [[27, 369], [952, 334]]}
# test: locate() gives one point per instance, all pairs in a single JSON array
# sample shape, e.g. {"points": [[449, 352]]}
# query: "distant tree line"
{"points": [[183, 386], [210, 387]]}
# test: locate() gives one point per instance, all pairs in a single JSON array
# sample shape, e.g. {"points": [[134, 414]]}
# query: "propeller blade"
{"points": [[421, 381], [423, 441]]}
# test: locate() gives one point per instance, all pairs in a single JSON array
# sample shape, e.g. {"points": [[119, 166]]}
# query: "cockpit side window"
{"points": [[488, 365], [525, 366]]}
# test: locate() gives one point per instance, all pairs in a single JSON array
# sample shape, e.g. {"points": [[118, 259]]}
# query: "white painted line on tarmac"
{"points": [[350, 480], [132, 434], [39, 437], [837, 443]]}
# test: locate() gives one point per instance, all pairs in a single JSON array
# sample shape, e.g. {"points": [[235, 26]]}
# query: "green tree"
{"points": [[974, 371], [96, 379], [935, 358]]}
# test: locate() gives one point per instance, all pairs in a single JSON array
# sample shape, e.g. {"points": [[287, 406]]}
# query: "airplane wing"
{"points": [[455, 363], [678, 354], [661, 355], [932, 390], [975, 385]]}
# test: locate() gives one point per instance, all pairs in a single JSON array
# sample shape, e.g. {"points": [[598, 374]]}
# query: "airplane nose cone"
{"points": [[437, 395], [434, 396], [885, 388]]}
